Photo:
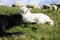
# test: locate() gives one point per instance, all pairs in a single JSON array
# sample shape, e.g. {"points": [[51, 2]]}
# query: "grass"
{"points": [[42, 32]]}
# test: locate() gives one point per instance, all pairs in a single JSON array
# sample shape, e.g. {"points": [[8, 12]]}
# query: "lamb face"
{"points": [[25, 10]]}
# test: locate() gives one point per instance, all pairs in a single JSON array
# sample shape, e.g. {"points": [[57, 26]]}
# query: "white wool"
{"points": [[35, 17]]}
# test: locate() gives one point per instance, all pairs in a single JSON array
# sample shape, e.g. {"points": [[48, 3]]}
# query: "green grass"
{"points": [[43, 32]]}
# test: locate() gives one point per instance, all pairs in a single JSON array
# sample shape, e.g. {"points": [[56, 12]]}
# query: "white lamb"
{"points": [[33, 6], [18, 4], [47, 6], [35, 17], [54, 7]]}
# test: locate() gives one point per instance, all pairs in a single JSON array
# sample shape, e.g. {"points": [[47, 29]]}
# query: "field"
{"points": [[34, 31]]}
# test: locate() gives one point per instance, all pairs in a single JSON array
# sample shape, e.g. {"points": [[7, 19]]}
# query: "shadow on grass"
{"points": [[3, 33]]}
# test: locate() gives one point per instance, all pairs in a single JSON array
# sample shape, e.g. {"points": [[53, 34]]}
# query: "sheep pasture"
{"points": [[34, 31]]}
